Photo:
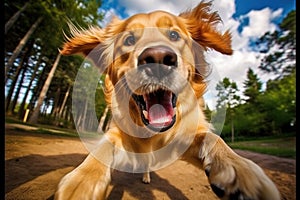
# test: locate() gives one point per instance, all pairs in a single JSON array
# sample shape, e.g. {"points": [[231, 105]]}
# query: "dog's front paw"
{"points": [[78, 185], [88, 181], [234, 177]]}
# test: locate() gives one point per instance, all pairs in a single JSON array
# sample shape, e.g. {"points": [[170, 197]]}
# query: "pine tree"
{"points": [[280, 48], [252, 86]]}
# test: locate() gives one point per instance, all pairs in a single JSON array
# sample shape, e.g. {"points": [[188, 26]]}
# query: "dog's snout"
{"points": [[157, 61], [158, 55]]}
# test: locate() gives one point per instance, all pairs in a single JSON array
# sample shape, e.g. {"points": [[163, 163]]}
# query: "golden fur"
{"points": [[229, 174]]}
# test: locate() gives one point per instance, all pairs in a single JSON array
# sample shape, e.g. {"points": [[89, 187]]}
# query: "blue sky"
{"points": [[245, 6], [247, 20], [242, 6]]}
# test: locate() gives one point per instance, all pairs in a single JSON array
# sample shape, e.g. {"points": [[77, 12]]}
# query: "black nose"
{"points": [[157, 61]]}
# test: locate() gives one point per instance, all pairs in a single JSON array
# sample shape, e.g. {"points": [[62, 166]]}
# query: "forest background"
{"points": [[41, 81]]}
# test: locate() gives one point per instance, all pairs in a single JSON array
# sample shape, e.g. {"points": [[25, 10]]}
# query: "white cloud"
{"points": [[260, 21], [235, 66], [225, 8]]}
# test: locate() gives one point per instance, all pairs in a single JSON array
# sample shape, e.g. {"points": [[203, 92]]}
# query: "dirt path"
{"points": [[34, 164]]}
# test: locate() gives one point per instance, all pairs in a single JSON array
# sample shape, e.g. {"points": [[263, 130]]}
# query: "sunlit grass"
{"points": [[50, 129], [283, 147]]}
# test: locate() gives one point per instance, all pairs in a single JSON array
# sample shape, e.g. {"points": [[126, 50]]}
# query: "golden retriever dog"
{"points": [[155, 80]]}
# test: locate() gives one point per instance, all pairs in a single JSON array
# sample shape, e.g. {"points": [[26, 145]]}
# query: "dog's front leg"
{"points": [[230, 175], [91, 178]]}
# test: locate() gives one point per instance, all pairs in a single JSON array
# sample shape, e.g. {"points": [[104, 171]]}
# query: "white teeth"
{"points": [[175, 110], [145, 114]]}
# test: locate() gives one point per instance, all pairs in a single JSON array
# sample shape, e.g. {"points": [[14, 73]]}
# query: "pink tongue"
{"points": [[159, 115], [160, 109]]}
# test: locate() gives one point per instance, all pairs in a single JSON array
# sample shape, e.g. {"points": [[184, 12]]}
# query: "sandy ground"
{"points": [[34, 164]]}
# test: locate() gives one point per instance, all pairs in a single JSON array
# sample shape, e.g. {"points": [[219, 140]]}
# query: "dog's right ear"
{"points": [[201, 23], [94, 43]]}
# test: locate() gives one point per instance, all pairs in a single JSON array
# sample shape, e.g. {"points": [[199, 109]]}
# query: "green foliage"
{"points": [[273, 111], [280, 47], [279, 103], [47, 39], [100, 103], [88, 97], [252, 86], [289, 24]]}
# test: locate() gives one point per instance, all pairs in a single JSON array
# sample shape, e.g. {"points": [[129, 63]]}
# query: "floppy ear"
{"points": [[82, 41], [94, 43], [202, 26]]}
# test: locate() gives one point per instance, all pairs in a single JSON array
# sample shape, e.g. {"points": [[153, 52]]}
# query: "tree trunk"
{"points": [[15, 77], [22, 106], [101, 121], [14, 18], [232, 126], [67, 115], [78, 122], [34, 117], [55, 109], [15, 100], [84, 114], [37, 90], [64, 102], [12, 88], [20, 46]]}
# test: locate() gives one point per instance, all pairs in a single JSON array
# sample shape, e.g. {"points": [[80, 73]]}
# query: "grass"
{"points": [[41, 128], [283, 147], [16, 121], [50, 129]]}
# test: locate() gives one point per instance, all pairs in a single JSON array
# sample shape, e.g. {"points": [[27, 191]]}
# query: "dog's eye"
{"points": [[174, 36], [130, 40]]}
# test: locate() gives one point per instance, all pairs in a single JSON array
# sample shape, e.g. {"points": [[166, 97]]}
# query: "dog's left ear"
{"points": [[94, 43], [82, 41], [202, 26]]}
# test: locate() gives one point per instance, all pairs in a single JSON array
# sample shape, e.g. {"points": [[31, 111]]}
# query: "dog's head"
{"points": [[154, 57]]}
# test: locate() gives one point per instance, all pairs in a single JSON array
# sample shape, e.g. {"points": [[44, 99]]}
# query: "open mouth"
{"points": [[158, 109]]}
